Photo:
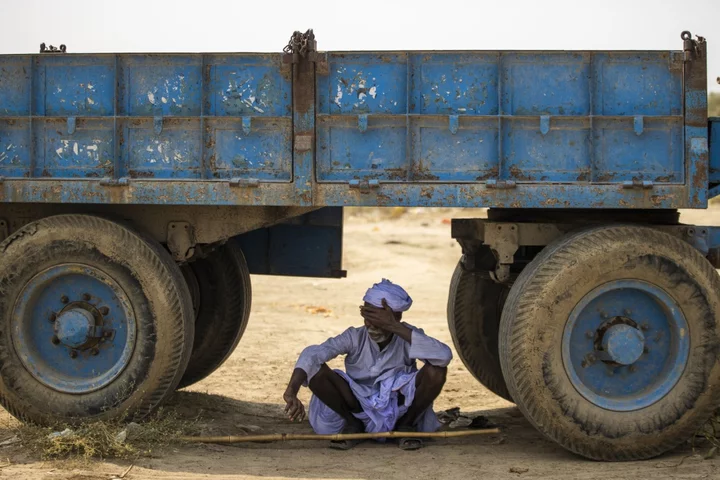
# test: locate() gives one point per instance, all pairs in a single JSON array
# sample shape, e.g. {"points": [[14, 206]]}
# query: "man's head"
{"points": [[394, 296]]}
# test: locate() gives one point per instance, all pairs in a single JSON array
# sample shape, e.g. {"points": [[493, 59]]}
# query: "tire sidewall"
{"points": [[473, 303], [549, 290], [141, 385]]}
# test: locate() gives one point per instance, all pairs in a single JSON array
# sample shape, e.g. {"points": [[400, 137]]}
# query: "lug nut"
{"points": [[627, 312], [55, 340], [645, 326], [104, 310], [632, 368], [646, 350], [583, 364], [86, 297], [53, 317], [73, 353], [64, 299], [589, 334], [604, 315], [94, 351]]}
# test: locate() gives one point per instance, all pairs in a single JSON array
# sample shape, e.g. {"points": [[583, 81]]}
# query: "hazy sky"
{"points": [[242, 26]]}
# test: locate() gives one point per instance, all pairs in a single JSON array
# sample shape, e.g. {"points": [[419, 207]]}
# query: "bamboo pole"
{"points": [[286, 437]]}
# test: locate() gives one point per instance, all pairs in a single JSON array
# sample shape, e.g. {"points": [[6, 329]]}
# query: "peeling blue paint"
{"points": [[565, 129]]}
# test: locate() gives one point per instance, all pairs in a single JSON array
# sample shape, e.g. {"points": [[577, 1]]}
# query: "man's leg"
{"points": [[335, 392], [428, 384]]}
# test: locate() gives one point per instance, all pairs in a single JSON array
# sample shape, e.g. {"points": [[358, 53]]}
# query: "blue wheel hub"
{"points": [[74, 328], [625, 345]]}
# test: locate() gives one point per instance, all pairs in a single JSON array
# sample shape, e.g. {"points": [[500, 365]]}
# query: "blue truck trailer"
{"points": [[138, 192]]}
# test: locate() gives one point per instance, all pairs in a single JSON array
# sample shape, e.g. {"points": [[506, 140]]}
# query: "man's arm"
{"points": [[293, 406], [309, 363], [429, 350]]}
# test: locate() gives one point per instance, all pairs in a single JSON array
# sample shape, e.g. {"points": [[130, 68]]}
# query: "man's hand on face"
{"points": [[382, 318], [294, 408]]}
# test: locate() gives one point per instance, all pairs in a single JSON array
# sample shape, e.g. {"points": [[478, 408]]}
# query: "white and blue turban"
{"points": [[396, 297]]}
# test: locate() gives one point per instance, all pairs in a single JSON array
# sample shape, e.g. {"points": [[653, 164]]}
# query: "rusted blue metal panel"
{"points": [[526, 117], [146, 117], [714, 139], [480, 129]]}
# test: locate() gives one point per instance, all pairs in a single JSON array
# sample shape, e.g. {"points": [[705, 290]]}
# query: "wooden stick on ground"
{"points": [[286, 437]]}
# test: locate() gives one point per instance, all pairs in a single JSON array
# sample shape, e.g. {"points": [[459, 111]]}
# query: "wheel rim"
{"points": [[625, 345], [73, 328]]}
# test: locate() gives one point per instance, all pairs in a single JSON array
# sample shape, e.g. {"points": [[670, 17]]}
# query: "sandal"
{"points": [[346, 444], [409, 443]]}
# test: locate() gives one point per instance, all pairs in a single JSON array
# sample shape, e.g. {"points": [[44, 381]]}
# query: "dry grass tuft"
{"points": [[104, 439], [711, 434]]}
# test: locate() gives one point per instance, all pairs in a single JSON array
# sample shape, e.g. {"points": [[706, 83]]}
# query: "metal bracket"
{"points": [[638, 124], [303, 47], [363, 122], [502, 238], [364, 185], [181, 240], [157, 124], [544, 124], [500, 184], [642, 184], [244, 182], [303, 143], [453, 123], [691, 49], [114, 182], [50, 49], [246, 125], [698, 237]]}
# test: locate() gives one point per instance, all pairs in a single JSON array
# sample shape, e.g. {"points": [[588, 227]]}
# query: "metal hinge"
{"points": [[51, 49], [244, 182], [364, 184], [642, 184], [500, 184], [303, 47], [691, 48], [114, 182]]}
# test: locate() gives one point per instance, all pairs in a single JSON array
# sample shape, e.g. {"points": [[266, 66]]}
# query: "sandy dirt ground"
{"points": [[417, 252]]}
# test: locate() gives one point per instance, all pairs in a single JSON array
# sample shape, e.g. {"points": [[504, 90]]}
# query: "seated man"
{"points": [[381, 388]]}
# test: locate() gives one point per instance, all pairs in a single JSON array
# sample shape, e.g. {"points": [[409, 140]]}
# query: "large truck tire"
{"points": [[475, 305], [609, 342], [221, 282], [95, 322]]}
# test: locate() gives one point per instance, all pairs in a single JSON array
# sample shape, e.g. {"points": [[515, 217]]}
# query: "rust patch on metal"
{"points": [[141, 174], [518, 174], [427, 192], [492, 173]]}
